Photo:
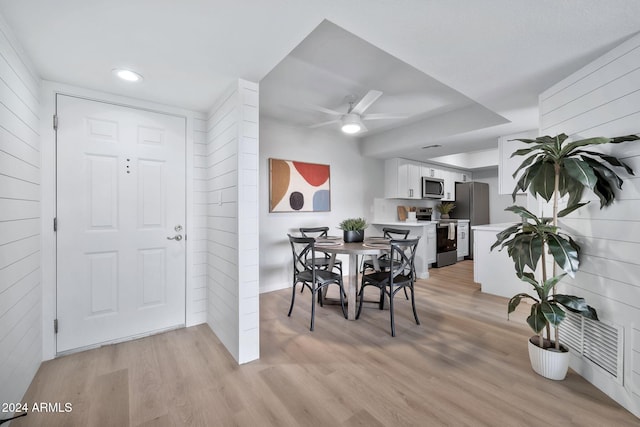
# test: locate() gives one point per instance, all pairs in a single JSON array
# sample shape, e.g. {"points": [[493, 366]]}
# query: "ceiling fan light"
{"points": [[351, 124], [127, 75], [351, 128]]}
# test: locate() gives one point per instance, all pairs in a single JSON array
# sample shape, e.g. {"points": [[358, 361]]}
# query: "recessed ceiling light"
{"points": [[127, 75]]}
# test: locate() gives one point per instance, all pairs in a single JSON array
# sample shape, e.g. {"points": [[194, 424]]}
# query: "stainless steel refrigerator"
{"points": [[472, 203]]}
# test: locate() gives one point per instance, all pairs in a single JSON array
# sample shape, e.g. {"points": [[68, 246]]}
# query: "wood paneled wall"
{"points": [[20, 274], [603, 99], [198, 235], [232, 221]]}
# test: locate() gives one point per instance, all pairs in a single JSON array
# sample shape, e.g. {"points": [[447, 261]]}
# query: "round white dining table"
{"points": [[353, 250]]}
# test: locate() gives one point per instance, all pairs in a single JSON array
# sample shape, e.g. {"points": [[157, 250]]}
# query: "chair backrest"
{"points": [[314, 231], [395, 233], [403, 251], [302, 248]]}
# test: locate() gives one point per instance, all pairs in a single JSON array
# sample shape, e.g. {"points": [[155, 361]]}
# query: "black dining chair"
{"points": [[310, 276], [401, 275], [384, 260], [324, 259]]}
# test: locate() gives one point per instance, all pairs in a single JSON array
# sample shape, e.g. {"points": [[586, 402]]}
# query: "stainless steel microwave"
{"points": [[432, 188]]}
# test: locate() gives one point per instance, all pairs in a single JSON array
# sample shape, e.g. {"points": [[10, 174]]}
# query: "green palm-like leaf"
{"points": [[543, 182], [581, 171], [550, 283], [576, 305], [613, 161], [566, 151], [514, 302], [523, 212], [536, 320], [523, 151], [625, 138], [604, 190], [566, 211], [564, 253], [528, 161], [505, 234], [572, 187], [612, 178], [530, 279], [552, 313], [527, 141], [526, 250], [527, 176]]}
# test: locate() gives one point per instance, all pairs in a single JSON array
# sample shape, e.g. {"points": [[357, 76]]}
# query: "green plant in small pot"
{"points": [[555, 168], [353, 229], [445, 209]]}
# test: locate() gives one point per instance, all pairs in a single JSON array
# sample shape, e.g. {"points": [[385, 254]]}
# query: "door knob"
{"points": [[177, 237]]}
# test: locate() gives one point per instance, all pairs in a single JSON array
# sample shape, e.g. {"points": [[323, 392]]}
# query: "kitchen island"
{"points": [[494, 270], [426, 250]]}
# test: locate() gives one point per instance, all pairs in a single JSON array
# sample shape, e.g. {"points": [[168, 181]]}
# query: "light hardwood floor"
{"points": [[464, 365]]}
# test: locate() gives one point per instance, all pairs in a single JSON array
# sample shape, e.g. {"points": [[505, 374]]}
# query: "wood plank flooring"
{"points": [[464, 365]]}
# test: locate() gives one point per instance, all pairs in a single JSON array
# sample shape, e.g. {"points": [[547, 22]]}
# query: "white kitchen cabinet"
{"points": [[463, 239], [462, 177], [425, 252], [507, 165], [403, 179], [430, 235], [431, 172], [449, 186]]}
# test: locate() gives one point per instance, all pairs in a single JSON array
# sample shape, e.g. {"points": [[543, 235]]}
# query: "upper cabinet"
{"points": [[403, 179], [507, 165], [450, 179]]}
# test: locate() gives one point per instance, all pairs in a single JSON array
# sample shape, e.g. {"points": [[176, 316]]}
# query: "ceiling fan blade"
{"points": [[323, 110], [366, 101], [317, 125], [383, 116]]}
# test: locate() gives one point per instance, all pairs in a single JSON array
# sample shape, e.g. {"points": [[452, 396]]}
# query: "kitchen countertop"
{"points": [[404, 223], [493, 227], [410, 223]]}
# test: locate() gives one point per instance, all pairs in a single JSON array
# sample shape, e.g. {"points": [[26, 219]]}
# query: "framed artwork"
{"points": [[298, 186]]}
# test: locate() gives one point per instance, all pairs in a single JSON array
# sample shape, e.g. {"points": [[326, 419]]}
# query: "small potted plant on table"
{"points": [[353, 229]]}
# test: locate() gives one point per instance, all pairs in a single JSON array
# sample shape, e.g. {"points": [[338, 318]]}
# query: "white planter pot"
{"points": [[549, 363]]}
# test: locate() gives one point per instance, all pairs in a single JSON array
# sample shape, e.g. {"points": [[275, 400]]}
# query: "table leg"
{"points": [[353, 286]]}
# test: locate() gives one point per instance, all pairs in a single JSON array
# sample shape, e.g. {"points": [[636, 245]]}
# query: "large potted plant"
{"points": [[555, 167], [353, 229]]}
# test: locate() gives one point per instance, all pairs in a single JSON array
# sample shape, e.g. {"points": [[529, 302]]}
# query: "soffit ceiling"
{"points": [[478, 64], [332, 66]]}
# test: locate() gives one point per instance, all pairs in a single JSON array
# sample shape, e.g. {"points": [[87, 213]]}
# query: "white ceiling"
{"points": [[331, 65], [481, 64]]}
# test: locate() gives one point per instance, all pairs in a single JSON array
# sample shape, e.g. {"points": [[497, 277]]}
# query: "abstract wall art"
{"points": [[298, 186]]}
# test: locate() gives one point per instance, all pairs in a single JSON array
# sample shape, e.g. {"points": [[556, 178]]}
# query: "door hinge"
{"points": [[55, 224], [55, 326], [55, 122]]}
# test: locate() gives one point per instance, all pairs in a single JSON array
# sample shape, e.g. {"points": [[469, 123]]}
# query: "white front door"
{"points": [[120, 196]]}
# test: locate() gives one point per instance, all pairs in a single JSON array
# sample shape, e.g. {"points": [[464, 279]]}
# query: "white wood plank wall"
{"points": [[20, 275], [603, 99], [248, 220], [198, 236], [231, 163]]}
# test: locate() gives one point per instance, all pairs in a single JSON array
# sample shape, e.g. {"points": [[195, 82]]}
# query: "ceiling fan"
{"points": [[351, 121]]}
